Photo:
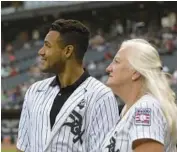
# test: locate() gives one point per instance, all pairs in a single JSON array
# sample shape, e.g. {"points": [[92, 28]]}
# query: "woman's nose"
{"points": [[109, 68]]}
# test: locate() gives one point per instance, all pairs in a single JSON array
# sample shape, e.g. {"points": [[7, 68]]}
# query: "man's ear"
{"points": [[136, 75], [69, 50]]}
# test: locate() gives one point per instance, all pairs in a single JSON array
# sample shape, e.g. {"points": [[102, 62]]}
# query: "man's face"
{"points": [[52, 55], [120, 72]]}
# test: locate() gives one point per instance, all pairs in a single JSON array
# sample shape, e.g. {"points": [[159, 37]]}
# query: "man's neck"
{"points": [[70, 75]]}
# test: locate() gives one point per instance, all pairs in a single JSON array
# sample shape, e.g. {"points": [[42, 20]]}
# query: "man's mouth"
{"points": [[43, 59]]}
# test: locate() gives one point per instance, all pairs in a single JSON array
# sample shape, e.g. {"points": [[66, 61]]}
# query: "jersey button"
{"points": [[115, 134], [59, 94]]}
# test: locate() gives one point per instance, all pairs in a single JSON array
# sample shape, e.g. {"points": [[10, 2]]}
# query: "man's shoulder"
{"points": [[97, 86], [42, 84]]}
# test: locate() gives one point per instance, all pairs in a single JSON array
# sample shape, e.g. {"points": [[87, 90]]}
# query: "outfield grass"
{"points": [[8, 148]]}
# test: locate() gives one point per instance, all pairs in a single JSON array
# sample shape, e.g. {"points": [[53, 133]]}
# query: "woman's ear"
{"points": [[136, 75]]}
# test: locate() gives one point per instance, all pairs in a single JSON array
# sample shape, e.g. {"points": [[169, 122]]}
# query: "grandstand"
{"points": [[24, 25]]}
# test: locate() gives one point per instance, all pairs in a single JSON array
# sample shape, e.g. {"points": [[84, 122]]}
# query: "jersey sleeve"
{"points": [[23, 135], [148, 122], [105, 116]]}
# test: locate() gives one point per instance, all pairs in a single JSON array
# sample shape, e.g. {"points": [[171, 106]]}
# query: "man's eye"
{"points": [[47, 45]]}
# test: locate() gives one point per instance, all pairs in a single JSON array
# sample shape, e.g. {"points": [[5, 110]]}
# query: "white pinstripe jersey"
{"points": [[144, 119], [80, 126]]}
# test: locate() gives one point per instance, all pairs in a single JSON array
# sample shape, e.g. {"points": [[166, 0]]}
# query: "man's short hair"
{"points": [[73, 33]]}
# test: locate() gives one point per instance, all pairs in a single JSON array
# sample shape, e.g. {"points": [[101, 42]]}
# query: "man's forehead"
{"points": [[52, 36]]}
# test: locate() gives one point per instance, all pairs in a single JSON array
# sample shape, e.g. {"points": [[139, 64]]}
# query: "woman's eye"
{"points": [[116, 61]]}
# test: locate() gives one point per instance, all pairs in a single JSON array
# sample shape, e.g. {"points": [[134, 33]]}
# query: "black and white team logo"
{"points": [[76, 124], [112, 145]]}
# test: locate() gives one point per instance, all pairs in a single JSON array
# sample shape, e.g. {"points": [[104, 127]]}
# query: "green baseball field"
{"points": [[8, 148]]}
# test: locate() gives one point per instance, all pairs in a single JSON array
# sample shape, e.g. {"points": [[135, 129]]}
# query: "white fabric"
{"points": [[99, 114], [120, 139]]}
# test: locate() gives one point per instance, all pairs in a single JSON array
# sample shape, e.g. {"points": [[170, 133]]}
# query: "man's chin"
{"points": [[44, 70]]}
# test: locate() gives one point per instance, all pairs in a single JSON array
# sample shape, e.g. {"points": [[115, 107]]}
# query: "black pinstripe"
{"points": [[69, 141], [98, 105], [24, 135], [102, 120], [35, 109], [106, 115], [88, 106], [158, 122], [62, 140], [43, 120], [129, 131], [96, 120], [111, 110], [151, 122], [47, 115], [142, 126]]}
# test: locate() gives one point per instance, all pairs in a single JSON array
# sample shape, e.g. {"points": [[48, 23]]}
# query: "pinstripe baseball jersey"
{"points": [[144, 119], [81, 125]]}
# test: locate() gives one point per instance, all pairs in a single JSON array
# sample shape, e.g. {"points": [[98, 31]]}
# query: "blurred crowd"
{"points": [[103, 45], [165, 39]]}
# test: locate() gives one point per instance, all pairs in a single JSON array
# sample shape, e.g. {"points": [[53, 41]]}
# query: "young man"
{"points": [[71, 111]]}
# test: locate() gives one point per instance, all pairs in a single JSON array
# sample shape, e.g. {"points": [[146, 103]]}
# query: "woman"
{"points": [[148, 120]]}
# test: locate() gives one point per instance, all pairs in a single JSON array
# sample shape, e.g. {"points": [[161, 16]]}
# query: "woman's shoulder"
{"points": [[151, 106], [148, 101]]}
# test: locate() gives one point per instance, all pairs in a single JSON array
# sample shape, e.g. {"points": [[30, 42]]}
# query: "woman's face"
{"points": [[120, 71]]}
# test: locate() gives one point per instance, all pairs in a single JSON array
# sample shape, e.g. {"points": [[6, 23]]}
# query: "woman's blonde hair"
{"points": [[145, 59]]}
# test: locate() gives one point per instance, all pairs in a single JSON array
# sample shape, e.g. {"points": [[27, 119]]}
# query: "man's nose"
{"points": [[41, 52]]}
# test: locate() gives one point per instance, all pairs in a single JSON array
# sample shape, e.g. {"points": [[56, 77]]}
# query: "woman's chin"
{"points": [[109, 83]]}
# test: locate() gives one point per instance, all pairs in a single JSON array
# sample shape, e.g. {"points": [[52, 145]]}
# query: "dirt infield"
{"points": [[8, 148]]}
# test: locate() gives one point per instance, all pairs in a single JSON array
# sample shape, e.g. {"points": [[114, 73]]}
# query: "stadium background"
{"points": [[24, 25]]}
